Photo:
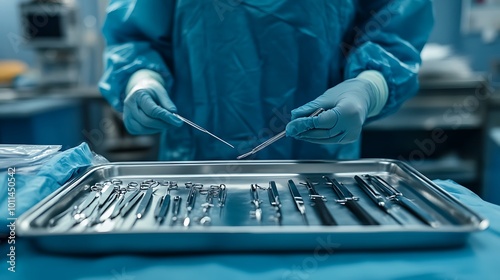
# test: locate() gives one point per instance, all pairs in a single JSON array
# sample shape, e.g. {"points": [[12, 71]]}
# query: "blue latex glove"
{"points": [[347, 106], [148, 108]]}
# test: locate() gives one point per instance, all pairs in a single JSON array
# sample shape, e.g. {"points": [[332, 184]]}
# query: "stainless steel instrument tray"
{"points": [[234, 229]]}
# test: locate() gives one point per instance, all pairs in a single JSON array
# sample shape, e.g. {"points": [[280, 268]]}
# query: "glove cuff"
{"points": [[380, 90], [143, 79]]}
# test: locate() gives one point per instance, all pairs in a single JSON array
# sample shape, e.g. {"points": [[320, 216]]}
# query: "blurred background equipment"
{"points": [[481, 16], [52, 31], [10, 69]]}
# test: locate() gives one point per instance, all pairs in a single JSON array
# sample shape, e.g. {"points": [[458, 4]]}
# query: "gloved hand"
{"points": [[346, 105], [148, 108]]}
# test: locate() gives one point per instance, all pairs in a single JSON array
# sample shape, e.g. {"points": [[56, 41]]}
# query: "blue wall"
{"points": [[447, 31]]}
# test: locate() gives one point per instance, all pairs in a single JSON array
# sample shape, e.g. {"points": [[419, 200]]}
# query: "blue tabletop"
{"points": [[478, 259]]}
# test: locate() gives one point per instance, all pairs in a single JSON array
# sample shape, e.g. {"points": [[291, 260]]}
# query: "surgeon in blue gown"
{"points": [[248, 69]]}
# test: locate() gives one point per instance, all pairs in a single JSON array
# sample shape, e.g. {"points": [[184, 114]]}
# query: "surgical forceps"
{"points": [[201, 129], [350, 201], [94, 201], [274, 138], [385, 204], [318, 203], [398, 197]]}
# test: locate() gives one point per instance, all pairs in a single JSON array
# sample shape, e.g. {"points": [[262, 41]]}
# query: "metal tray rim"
{"points": [[481, 223]]}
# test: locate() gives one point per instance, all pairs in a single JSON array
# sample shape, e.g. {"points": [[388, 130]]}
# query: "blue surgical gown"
{"points": [[238, 67]]}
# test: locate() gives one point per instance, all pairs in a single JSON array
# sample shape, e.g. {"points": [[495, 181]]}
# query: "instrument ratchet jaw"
{"points": [[318, 203]]}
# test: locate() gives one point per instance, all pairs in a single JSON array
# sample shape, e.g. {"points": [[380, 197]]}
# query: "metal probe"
{"points": [[201, 129], [275, 138]]}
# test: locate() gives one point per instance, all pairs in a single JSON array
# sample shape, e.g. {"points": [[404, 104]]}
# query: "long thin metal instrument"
{"points": [[274, 199], [254, 193], [162, 208], [201, 129], [88, 200], [205, 220], [77, 217], [95, 199], [176, 208], [222, 198], [122, 202], [350, 201], [112, 209], [143, 205], [106, 192], [379, 199], [398, 197], [103, 208], [274, 138], [299, 201], [53, 221], [319, 205], [190, 202]]}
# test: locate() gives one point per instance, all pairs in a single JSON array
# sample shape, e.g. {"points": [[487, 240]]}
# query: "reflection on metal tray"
{"points": [[248, 206]]}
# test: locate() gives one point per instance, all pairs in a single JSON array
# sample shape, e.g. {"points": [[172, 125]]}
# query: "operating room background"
{"points": [[70, 115]]}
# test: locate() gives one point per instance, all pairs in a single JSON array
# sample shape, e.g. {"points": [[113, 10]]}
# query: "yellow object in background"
{"points": [[9, 69]]}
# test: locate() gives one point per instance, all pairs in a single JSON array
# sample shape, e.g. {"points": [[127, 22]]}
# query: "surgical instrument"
{"points": [[88, 200], [274, 138], [350, 201], [299, 201], [112, 210], [274, 199], [205, 220], [144, 203], [201, 129], [176, 209], [398, 197], [97, 218], [319, 205], [254, 192], [129, 205], [77, 211], [379, 199], [77, 217], [162, 207], [222, 195], [190, 203], [53, 221], [124, 202], [106, 192], [222, 198]]}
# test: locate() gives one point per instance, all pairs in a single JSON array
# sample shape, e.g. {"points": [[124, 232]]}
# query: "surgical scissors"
{"points": [[274, 138], [201, 129]]}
